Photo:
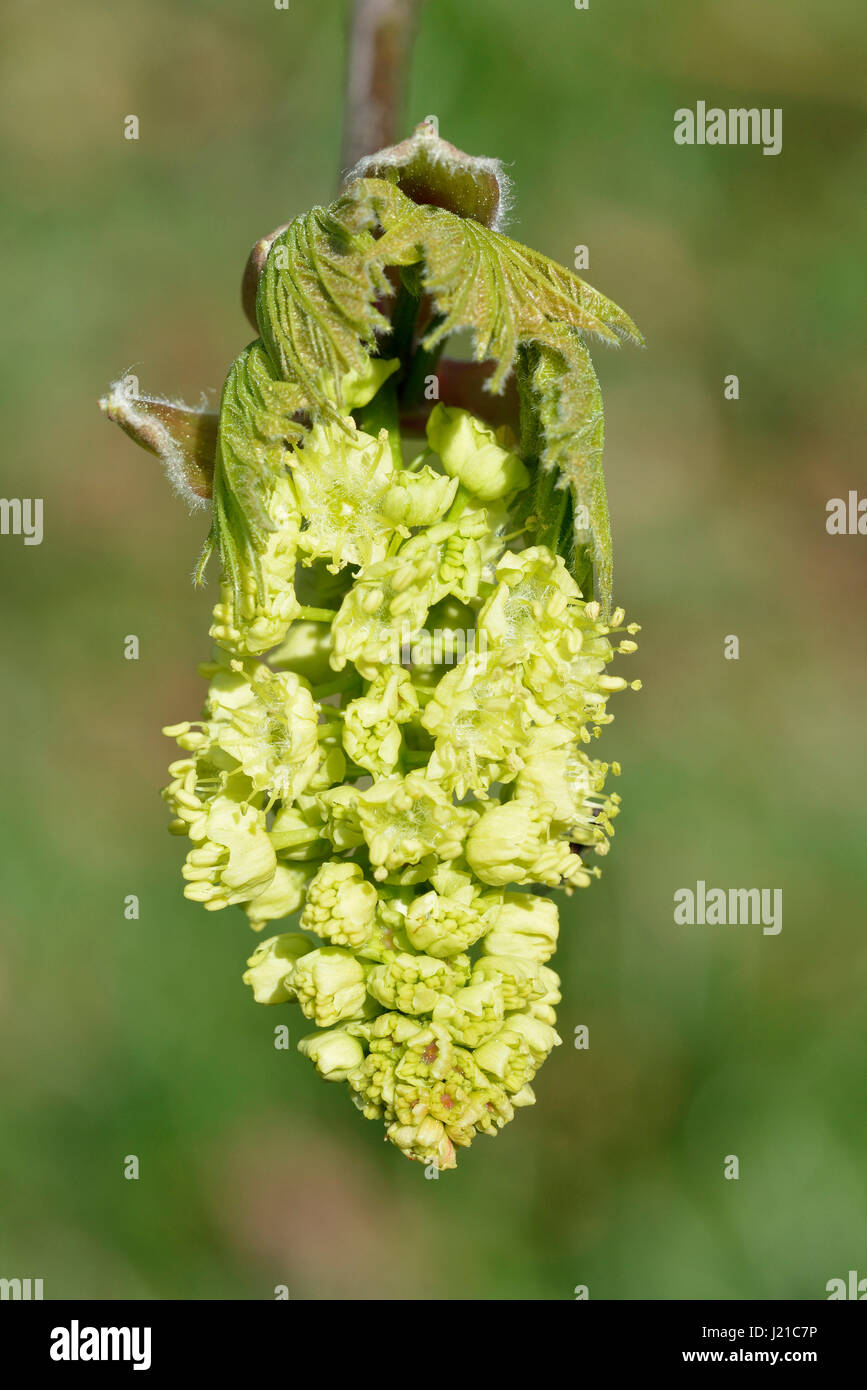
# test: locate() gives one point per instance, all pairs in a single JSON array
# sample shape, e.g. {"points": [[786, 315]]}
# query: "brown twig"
{"points": [[380, 41]]}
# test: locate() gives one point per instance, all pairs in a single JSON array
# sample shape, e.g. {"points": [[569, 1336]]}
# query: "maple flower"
{"points": [[512, 843], [412, 649], [372, 723], [411, 821], [339, 905], [334, 1052], [470, 451], [480, 714], [269, 969], [329, 985]]}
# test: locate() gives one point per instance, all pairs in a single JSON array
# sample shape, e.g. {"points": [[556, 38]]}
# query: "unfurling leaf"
{"points": [[320, 307]]}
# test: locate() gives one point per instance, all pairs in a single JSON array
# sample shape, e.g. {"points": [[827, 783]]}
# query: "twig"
{"points": [[380, 41]]}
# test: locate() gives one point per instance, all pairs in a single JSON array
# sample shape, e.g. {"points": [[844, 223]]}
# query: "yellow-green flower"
{"points": [[426, 1141], [372, 723], [412, 647], [533, 603], [514, 1055], [341, 478], [452, 554], [518, 980], [524, 925], [234, 860], [411, 821], [480, 714], [340, 905], [568, 675], [284, 895], [412, 984], [333, 1052], [472, 1014], [269, 969], [388, 602], [512, 843], [445, 926], [268, 722], [557, 770], [471, 452], [329, 985], [419, 499]]}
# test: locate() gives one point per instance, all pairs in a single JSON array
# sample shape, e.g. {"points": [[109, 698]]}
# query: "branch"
{"points": [[380, 42]]}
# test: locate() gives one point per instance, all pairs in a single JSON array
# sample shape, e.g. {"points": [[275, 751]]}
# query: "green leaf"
{"points": [[481, 280], [561, 393], [316, 307], [515, 298], [320, 309], [258, 418]]}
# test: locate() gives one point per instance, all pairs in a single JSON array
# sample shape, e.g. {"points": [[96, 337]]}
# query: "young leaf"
{"points": [[561, 394], [319, 307]]}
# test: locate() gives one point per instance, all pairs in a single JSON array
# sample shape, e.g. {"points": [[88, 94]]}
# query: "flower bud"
{"points": [[371, 724], [514, 1055], [511, 844], [357, 388], [519, 981], [329, 985], [234, 862], [412, 984], [184, 439], [443, 926], [334, 1053], [432, 170], [419, 499], [426, 1141], [271, 965], [473, 1014], [524, 925], [469, 451], [340, 905], [283, 896]]}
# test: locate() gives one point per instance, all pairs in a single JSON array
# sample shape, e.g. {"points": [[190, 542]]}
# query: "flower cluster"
{"points": [[407, 814]]}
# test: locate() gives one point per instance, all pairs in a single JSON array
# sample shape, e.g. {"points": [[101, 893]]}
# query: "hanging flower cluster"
{"points": [[403, 811], [406, 803]]}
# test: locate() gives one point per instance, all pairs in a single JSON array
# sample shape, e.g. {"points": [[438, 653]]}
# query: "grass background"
{"points": [[137, 1037]]}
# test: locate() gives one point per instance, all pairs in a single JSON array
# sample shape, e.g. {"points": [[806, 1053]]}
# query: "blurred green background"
{"points": [[124, 1037]]}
